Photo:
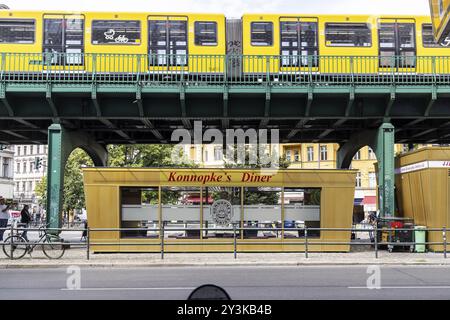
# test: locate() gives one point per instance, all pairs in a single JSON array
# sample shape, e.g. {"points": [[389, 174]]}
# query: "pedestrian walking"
{"points": [[4, 216], [25, 219]]}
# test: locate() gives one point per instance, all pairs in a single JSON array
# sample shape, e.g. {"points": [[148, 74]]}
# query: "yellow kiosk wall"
{"points": [[102, 188], [423, 192]]}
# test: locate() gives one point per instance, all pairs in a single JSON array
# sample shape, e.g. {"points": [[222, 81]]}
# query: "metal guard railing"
{"points": [[305, 240], [219, 70]]}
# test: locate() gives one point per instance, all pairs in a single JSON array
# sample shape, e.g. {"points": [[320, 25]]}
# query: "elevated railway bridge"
{"points": [[119, 101]]}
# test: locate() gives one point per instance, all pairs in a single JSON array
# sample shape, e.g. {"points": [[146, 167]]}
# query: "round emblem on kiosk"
{"points": [[222, 212]]}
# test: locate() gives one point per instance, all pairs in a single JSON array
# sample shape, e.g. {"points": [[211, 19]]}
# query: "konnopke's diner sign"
{"points": [[220, 177]]}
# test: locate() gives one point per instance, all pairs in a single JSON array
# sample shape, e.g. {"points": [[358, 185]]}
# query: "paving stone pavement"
{"points": [[79, 257]]}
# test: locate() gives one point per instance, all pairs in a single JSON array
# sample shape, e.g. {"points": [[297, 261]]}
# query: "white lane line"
{"points": [[404, 287], [126, 289]]}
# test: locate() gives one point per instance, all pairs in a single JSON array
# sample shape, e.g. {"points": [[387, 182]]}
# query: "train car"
{"points": [[99, 42], [159, 46], [329, 44]]}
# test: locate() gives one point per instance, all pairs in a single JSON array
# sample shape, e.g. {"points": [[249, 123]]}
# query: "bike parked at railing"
{"points": [[16, 246]]}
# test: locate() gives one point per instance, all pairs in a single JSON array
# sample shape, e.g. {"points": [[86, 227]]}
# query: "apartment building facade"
{"points": [[26, 176], [6, 172]]}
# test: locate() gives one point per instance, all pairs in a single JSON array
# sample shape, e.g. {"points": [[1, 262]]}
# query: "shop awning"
{"points": [[370, 200]]}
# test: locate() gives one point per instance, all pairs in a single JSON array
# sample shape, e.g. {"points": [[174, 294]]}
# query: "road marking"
{"points": [[127, 289], [405, 287]]}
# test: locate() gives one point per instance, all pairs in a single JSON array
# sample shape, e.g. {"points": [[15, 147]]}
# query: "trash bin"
{"points": [[420, 237]]}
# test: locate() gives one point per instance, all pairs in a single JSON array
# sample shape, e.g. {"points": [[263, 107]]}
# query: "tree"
{"points": [[118, 156]]}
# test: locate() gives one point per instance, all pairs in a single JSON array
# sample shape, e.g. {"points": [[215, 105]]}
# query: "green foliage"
{"points": [[119, 156]]}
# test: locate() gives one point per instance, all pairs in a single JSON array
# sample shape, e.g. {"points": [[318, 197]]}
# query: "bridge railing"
{"points": [[242, 70]]}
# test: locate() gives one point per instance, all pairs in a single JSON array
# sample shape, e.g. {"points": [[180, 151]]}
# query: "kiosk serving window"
{"points": [[262, 208], [139, 210], [180, 209], [301, 209], [222, 210]]}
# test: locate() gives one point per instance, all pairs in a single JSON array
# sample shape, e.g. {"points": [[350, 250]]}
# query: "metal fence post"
{"points": [[88, 241], [444, 235], [306, 242], [376, 241], [11, 244], [234, 241], [162, 241]]}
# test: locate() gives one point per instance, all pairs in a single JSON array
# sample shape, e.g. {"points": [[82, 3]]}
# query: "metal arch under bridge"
{"points": [[121, 99]]}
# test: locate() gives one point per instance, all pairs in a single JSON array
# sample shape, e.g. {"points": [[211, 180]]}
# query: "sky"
{"points": [[232, 8]]}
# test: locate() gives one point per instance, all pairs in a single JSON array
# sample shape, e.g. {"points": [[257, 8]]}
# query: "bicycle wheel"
{"points": [[53, 247], [19, 247]]}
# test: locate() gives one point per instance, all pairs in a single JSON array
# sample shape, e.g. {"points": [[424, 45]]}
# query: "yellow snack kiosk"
{"points": [[197, 199], [423, 189]]}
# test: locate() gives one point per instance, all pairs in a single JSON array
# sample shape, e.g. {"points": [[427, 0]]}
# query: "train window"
{"points": [[205, 33], [262, 33], [116, 32], [428, 38], [17, 31], [348, 35]]}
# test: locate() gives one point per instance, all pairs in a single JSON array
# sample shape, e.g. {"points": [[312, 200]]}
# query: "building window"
{"points": [[323, 153], [262, 33], [17, 186], [30, 186], [288, 155], [18, 167], [23, 186], [348, 35], [124, 32], [18, 31], [24, 167], [358, 179], [205, 158], [296, 156], [18, 151], [218, 154], [6, 168], [25, 150], [357, 155], [310, 152], [372, 180], [205, 33]]}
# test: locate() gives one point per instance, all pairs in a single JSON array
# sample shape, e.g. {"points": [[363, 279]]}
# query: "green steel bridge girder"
{"points": [[382, 141], [61, 143]]}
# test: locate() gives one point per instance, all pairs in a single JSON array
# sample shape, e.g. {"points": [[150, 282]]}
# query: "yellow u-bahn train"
{"points": [[266, 44]]}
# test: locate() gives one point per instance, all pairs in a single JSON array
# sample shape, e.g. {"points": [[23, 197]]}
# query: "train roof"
{"points": [[305, 15]]}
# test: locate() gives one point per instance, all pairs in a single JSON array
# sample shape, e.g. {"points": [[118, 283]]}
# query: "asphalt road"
{"points": [[259, 283]]}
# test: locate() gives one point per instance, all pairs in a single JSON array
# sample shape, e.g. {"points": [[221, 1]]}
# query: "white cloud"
{"points": [[234, 8]]}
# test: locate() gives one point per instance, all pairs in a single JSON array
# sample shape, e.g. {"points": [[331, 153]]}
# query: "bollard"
{"points": [[162, 241], [234, 241], [376, 241], [306, 242], [11, 244], [88, 241], [444, 235]]}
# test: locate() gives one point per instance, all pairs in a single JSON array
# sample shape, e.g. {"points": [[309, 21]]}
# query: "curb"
{"points": [[238, 264]]}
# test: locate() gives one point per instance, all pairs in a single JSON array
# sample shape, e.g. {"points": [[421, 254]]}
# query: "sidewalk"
{"points": [[78, 257]]}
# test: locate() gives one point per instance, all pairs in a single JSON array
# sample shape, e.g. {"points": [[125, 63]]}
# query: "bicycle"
{"points": [[15, 246]]}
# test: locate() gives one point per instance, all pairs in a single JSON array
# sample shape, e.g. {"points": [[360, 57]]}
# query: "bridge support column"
{"points": [[382, 143], [61, 143]]}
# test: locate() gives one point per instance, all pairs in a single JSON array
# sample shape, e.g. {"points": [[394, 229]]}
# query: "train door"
{"points": [[168, 43], [63, 41], [397, 45], [299, 44]]}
